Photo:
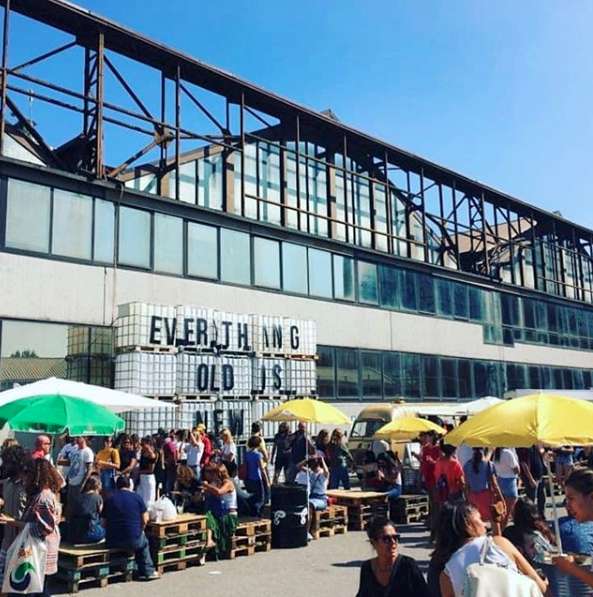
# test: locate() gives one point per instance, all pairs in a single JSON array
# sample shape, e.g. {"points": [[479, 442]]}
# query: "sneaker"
{"points": [[309, 537], [154, 576]]}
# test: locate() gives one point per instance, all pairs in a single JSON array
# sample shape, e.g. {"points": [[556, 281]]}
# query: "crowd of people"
{"points": [[476, 516], [105, 496]]}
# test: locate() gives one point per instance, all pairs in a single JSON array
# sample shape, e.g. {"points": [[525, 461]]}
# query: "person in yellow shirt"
{"points": [[108, 463]]}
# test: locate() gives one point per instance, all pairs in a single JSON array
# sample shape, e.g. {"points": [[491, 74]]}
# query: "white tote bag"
{"points": [[484, 579], [25, 564]]}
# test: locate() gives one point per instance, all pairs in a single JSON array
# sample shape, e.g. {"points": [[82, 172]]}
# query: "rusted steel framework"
{"points": [[280, 162]]}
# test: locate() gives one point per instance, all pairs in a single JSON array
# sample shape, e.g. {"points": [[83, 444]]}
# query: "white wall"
{"points": [[47, 290]]}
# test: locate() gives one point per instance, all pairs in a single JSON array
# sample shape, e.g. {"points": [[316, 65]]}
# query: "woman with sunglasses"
{"points": [[389, 574]]}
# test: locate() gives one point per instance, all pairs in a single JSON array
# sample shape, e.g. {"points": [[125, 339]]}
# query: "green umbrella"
{"points": [[56, 413]]}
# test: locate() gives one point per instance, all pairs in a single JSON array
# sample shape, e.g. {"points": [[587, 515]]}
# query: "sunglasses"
{"points": [[390, 538]]}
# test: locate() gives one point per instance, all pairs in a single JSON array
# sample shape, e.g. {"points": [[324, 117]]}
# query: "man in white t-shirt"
{"points": [[81, 460]]}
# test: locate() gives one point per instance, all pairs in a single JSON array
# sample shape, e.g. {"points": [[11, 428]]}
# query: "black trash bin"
{"points": [[290, 515]]}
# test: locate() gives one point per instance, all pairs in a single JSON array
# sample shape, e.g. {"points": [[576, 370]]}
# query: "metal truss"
{"points": [[413, 208]]}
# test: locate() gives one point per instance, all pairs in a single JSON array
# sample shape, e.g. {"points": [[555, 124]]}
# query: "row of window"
{"points": [[353, 374], [57, 222]]}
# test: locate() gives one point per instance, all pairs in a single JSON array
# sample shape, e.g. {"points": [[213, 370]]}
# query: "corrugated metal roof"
{"points": [[25, 370]]}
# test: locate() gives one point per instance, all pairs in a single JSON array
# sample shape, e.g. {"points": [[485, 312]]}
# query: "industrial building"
{"points": [[203, 189]]}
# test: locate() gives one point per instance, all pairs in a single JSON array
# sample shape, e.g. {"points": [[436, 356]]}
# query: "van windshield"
{"points": [[366, 428]]}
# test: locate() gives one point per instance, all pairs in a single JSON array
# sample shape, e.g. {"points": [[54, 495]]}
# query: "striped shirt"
{"points": [[43, 513]]}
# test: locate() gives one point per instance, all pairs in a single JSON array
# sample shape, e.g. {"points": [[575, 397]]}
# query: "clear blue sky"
{"points": [[499, 91]]}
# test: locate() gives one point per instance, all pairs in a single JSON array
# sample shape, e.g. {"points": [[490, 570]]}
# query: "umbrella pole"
{"points": [[554, 507]]}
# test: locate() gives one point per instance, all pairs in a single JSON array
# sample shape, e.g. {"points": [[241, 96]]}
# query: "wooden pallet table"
{"points": [[361, 505], [80, 565], [409, 508]]}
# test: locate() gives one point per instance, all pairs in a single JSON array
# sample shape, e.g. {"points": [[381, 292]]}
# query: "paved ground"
{"points": [[325, 568]]}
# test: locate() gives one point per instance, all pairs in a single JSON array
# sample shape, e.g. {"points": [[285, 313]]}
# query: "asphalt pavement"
{"points": [[327, 567]]}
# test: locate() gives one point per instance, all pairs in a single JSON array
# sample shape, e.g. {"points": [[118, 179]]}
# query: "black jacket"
{"points": [[408, 581]]}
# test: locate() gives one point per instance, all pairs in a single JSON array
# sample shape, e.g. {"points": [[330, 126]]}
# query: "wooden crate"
{"points": [[184, 524]]}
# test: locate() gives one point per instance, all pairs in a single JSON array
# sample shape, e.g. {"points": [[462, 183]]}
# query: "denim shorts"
{"points": [[564, 459], [508, 487]]}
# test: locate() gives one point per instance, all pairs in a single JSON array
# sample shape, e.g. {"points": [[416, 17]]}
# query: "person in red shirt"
{"points": [[429, 454], [207, 454], [42, 448]]}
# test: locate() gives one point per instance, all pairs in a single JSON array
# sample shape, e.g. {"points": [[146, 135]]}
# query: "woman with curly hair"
{"points": [[188, 486], [15, 459], [221, 506], [340, 460], [43, 512]]}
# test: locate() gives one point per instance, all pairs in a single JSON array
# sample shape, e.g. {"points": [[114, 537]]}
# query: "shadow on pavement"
{"points": [[350, 564]]}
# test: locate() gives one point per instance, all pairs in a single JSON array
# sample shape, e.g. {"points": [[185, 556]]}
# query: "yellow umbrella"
{"points": [[407, 428], [541, 418], [308, 411]]}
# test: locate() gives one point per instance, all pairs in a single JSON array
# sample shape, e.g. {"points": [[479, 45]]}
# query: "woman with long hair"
{"points": [[506, 465], [85, 525], [43, 512], [340, 461], [482, 487], [228, 452], [188, 486], [221, 506], [322, 444], [389, 573], [529, 533], [461, 535], [15, 460], [147, 482]]}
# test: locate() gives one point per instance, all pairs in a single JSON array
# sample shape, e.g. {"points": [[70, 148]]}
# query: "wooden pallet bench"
{"points": [[184, 524], [175, 553], [92, 565], [361, 505]]}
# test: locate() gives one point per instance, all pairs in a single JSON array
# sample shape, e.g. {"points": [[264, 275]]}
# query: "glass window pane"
{"points": [[348, 375], [461, 301], [72, 224], [367, 283], [445, 298], [235, 254], [134, 237], [411, 375], [168, 244], [464, 378], [202, 250], [35, 351], [371, 375], [266, 266], [409, 300], [426, 293], [390, 297], [27, 217], [476, 304], [449, 377], [431, 370], [104, 231], [320, 276], [294, 268], [392, 380], [326, 387], [343, 278]]}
